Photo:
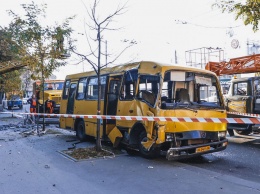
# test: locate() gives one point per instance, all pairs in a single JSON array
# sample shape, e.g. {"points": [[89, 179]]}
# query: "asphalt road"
{"points": [[241, 158], [33, 164]]}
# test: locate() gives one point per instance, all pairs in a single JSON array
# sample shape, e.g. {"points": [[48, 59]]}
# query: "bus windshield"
{"points": [[188, 88]]}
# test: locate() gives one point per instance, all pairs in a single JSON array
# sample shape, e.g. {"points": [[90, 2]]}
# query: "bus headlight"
{"points": [[221, 134]]}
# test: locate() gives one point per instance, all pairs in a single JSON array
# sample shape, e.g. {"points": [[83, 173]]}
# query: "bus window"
{"points": [[148, 88], [167, 89], [128, 85], [92, 93], [71, 95], [93, 88], [66, 90], [208, 93], [82, 85], [127, 91]]}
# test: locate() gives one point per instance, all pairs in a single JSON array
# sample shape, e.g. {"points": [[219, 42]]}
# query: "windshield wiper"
{"points": [[205, 107], [186, 106]]}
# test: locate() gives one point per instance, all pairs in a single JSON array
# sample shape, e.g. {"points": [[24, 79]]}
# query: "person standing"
{"points": [[33, 101], [49, 105]]}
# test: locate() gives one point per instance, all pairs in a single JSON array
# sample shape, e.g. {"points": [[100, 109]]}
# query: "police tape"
{"points": [[148, 118], [244, 114]]}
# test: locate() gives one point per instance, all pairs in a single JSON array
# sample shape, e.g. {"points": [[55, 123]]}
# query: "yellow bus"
{"points": [[148, 89]]}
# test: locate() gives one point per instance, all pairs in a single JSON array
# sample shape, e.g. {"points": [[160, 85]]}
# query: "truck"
{"points": [[13, 101], [243, 98], [52, 89]]}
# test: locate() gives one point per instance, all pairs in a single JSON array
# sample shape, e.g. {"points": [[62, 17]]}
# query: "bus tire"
{"points": [[131, 152], [80, 131], [230, 132], [245, 132], [152, 153], [9, 107]]}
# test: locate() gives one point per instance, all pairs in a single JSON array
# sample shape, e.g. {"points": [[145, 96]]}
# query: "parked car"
{"points": [[15, 101]]}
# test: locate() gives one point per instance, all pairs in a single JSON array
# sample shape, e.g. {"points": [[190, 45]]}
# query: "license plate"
{"points": [[202, 149]]}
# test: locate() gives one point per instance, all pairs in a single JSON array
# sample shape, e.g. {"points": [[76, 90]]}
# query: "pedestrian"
{"points": [[33, 101], [49, 105]]}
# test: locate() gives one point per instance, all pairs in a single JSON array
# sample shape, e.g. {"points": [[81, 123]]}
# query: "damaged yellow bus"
{"points": [[149, 89]]}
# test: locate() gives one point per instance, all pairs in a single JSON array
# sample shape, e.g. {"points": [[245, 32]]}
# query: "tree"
{"points": [[9, 74], [12, 82], [5, 46], [248, 10], [97, 57], [42, 46]]}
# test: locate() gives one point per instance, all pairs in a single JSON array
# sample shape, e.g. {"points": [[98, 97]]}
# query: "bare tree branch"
{"points": [[90, 47], [99, 26], [119, 54]]}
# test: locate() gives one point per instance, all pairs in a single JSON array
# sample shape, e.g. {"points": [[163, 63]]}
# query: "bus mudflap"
{"points": [[115, 136]]}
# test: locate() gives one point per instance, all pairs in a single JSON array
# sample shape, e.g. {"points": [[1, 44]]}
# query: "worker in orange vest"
{"points": [[49, 105], [33, 101]]}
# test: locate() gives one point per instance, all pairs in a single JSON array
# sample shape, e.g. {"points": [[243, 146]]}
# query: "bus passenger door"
{"points": [[70, 105], [112, 97], [111, 109]]}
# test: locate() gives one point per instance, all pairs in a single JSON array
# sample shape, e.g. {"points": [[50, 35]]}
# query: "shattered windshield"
{"points": [[189, 89]]}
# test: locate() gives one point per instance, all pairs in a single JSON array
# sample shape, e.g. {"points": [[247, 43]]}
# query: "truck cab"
{"points": [[243, 97]]}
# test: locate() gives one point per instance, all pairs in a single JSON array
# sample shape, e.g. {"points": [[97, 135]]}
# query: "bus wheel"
{"points": [[245, 132], [131, 152], [9, 107], [144, 152], [80, 131]]}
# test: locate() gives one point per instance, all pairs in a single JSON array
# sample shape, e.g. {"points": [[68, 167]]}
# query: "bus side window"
{"points": [[82, 85], [92, 88], [127, 91], [66, 89]]}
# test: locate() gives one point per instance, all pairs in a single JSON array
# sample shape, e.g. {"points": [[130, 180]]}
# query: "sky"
{"points": [[164, 30]]}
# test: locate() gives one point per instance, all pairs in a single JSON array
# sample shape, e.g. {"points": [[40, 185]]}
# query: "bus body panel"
{"points": [[126, 108], [189, 126]]}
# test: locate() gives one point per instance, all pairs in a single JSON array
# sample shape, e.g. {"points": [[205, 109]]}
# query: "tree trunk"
{"points": [[43, 103], [98, 141]]}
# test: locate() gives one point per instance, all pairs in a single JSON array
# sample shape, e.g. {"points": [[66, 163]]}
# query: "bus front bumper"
{"points": [[195, 150]]}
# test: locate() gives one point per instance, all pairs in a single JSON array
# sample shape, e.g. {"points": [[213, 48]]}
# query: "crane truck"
{"points": [[244, 93]]}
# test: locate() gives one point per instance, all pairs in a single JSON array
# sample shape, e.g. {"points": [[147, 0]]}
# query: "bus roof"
{"points": [[142, 66]]}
